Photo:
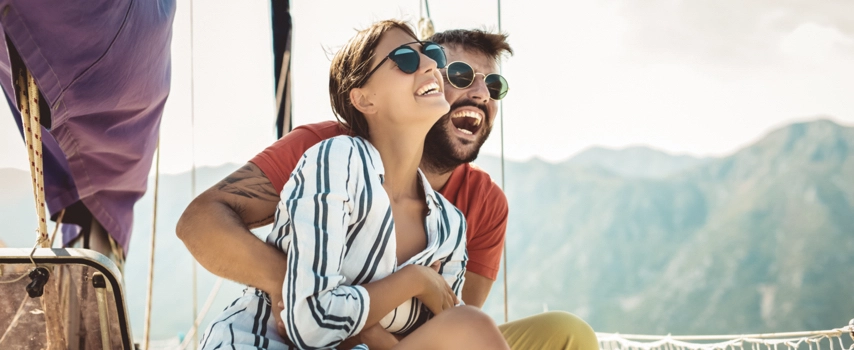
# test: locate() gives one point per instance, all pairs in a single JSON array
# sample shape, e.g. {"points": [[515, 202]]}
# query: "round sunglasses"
{"points": [[408, 60], [461, 75]]}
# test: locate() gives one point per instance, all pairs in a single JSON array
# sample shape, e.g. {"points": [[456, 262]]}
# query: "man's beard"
{"points": [[440, 156]]}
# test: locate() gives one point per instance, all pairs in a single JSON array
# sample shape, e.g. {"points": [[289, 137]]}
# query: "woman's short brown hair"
{"points": [[349, 67]]}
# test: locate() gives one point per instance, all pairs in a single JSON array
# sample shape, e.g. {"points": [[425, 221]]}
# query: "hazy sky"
{"points": [[698, 77]]}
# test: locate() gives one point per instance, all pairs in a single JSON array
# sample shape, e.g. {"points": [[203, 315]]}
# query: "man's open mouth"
{"points": [[467, 121]]}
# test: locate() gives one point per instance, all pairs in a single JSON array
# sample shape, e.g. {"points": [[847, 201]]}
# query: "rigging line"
{"points": [[501, 129], [755, 344], [28, 104], [33, 98], [192, 108], [32, 252], [29, 108], [15, 280], [425, 25], [193, 154], [147, 327], [193, 331], [14, 319], [832, 332], [427, 7], [56, 228]]}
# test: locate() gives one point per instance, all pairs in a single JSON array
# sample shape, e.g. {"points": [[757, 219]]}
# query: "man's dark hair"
{"points": [[477, 40]]}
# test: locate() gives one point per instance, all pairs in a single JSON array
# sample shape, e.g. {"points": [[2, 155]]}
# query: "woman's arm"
{"points": [[319, 310], [314, 214]]}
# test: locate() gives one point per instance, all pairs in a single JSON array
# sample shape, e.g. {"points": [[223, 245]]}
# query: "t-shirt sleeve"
{"points": [[487, 234], [320, 310], [279, 159]]}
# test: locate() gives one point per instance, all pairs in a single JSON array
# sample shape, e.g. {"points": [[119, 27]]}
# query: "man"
{"points": [[215, 227]]}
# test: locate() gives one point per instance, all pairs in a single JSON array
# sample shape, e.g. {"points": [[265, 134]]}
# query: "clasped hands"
{"points": [[435, 294]]}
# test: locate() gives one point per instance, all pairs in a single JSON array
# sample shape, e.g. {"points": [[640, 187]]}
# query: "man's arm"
{"points": [[487, 231], [215, 229], [476, 289]]}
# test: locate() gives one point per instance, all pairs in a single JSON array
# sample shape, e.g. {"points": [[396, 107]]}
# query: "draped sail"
{"points": [[103, 71]]}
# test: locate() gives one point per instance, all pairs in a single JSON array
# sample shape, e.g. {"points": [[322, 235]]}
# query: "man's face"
{"points": [[457, 137]]}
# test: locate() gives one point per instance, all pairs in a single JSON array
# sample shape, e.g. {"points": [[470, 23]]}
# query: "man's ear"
{"points": [[360, 99]]}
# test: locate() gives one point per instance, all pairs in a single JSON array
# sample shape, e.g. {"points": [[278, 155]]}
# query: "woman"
{"points": [[369, 243]]}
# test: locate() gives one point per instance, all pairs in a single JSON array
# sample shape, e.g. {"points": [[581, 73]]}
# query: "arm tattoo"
{"points": [[261, 222], [250, 183]]}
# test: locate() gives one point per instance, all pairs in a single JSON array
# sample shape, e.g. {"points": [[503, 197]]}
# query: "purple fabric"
{"points": [[104, 68]]}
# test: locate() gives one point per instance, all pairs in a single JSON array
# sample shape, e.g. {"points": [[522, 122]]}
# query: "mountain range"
{"points": [[633, 240], [757, 241]]}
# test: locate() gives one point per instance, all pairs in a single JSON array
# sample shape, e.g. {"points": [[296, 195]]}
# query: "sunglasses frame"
{"points": [[424, 44], [472, 80]]}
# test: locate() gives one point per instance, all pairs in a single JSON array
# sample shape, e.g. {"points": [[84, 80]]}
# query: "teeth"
{"points": [[428, 89], [469, 114], [465, 131]]}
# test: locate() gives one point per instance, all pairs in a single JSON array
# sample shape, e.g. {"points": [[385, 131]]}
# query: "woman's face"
{"points": [[400, 98]]}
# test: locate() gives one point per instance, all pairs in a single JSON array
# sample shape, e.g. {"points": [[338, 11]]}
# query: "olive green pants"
{"points": [[550, 331]]}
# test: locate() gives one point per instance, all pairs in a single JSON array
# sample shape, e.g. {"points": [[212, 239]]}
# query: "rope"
{"points": [[33, 252], [56, 228], [147, 329], [15, 280], [193, 152], [28, 100], [14, 319], [192, 109], [427, 8], [192, 332], [501, 129], [791, 340]]}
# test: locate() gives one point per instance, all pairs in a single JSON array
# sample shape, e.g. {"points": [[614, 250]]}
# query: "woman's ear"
{"points": [[360, 99]]}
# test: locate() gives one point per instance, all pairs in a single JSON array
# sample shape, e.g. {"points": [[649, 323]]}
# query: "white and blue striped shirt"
{"points": [[335, 223]]}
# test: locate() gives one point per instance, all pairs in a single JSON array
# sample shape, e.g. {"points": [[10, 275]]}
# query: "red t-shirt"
{"points": [[469, 188]]}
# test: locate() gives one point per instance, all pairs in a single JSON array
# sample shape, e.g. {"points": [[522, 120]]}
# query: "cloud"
{"points": [[730, 33], [816, 43]]}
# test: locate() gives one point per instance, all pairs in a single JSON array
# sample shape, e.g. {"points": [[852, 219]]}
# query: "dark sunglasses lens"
{"points": [[497, 86], [460, 75], [406, 59], [435, 52]]}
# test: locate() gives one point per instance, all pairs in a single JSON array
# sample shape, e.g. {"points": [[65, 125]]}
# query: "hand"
{"points": [[435, 294], [278, 307]]}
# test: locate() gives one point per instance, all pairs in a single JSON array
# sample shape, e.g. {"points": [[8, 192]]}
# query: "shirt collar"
{"points": [[429, 193]]}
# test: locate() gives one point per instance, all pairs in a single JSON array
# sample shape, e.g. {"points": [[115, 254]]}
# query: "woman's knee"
{"points": [[463, 327], [466, 316]]}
